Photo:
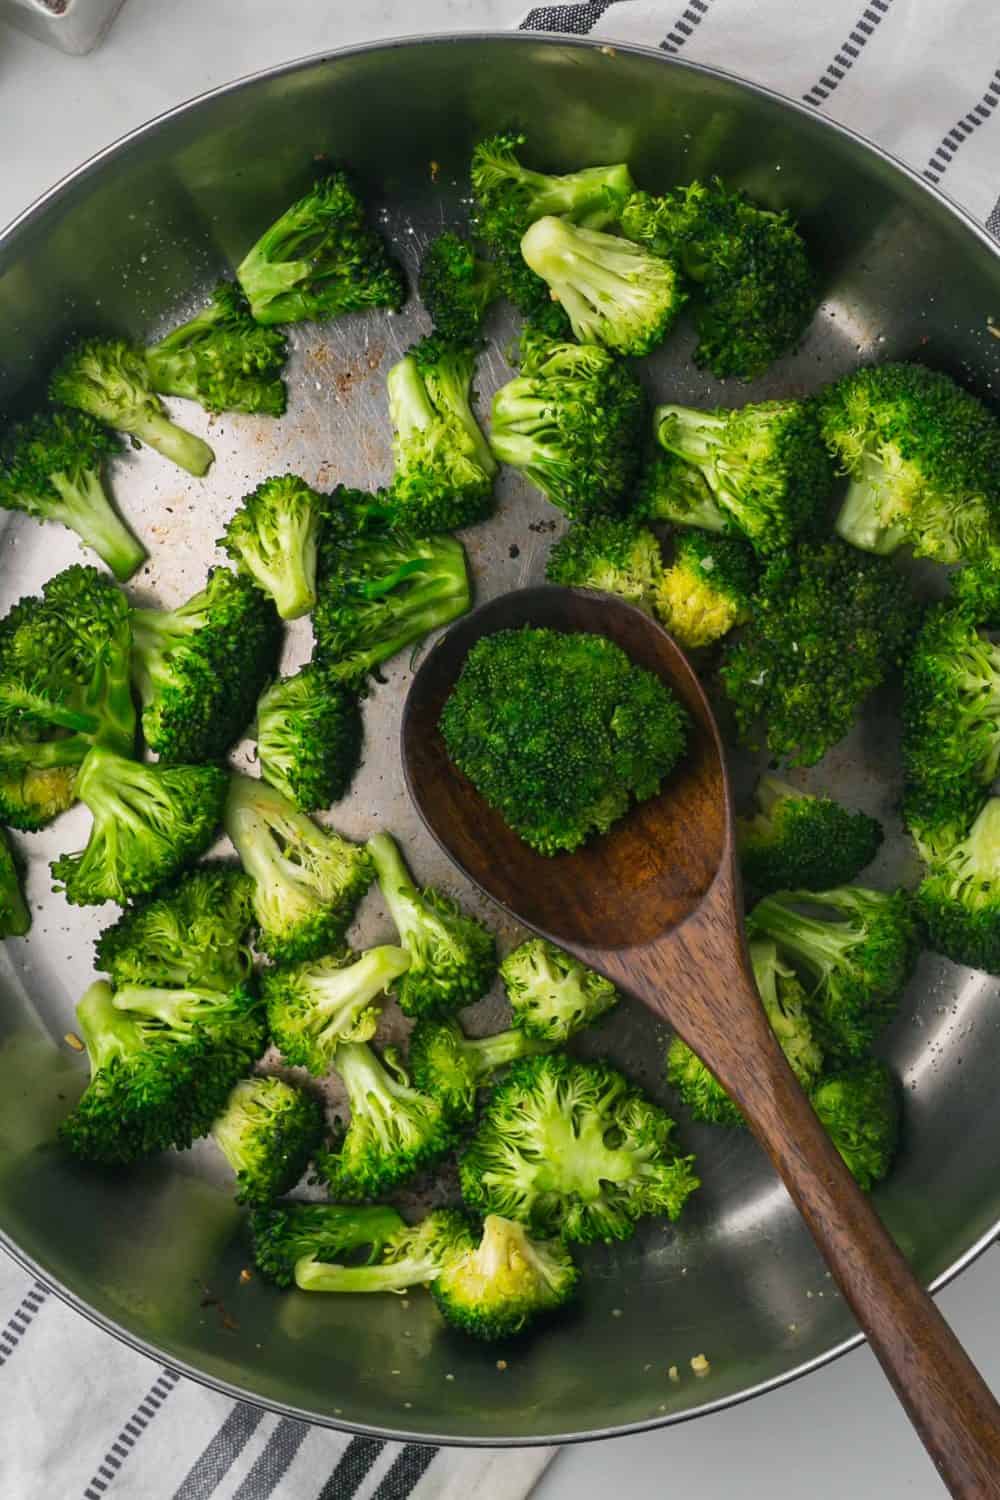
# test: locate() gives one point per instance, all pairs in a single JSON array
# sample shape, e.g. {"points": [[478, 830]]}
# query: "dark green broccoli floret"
{"points": [[959, 897], [453, 1067], [289, 1233], [452, 956], [15, 918], [859, 1108], [559, 732], [977, 589], [274, 539], [708, 588], [572, 422], [856, 960], [320, 259], [800, 840], [381, 588], [412, 1256], [149, 823], [574, 1149], [754, 287], [500, 1286], [268, 1132], [615, 293], [552, 994], [307, 879], [923, 457], [309, 738], [615, 555], [313, 1007], [222, 358], [193, 934], [50, 468], [394, 1131], [457, 287], [111, 381], [444, 467], [198, 668], [828, 624]]}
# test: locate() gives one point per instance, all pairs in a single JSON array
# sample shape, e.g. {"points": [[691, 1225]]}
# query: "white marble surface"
{"points": [[837, 1435]]}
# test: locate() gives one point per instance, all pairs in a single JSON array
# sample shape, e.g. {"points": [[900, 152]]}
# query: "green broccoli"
{"points": [[111, 381], [755, 291], [50, 468], [452, 1067], [923, 456], [608, 553], [274, 539], [615, 293], [193, 934], [412, 1256], [309, 738], [959, 897], [859, 1109], [572, 422], [800, 840], [452, 956], [268, 1132], [37, 782], [667, 486], [857, 960], [222, 358], [287, 1233], [552, 994], [149, 823], [457, 287], [313, 1007], [394, 1131], [505, 1283], [444, 467], [559, 732], [199, 667], [828, 625], [15, 918], [574, 1149], [307, 879], [977, 589], [320, 259], [708, 588]]}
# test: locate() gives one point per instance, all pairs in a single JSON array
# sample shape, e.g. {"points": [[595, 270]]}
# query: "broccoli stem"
{"points": [[453, 388], [693, 435], [182, 448], [490, 1053], [86, 509], [107, 1033], [819, 944], [400, 894], [771, 790], [861, 520], [169, 1006], [371, 1088], [313, 1275], [410, 408]]}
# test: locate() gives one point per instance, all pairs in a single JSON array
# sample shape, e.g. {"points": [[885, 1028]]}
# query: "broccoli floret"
{"points": [[307, 879], [268, 1132], [574, 1149], [149, 823], [552, 994], [161, 1067], [977, 589], [34, 786], [111, 381], [859, 1108], [394, 1130], [798, 840], [312, 1007], [754, 287], [786, 1006], [309, 738], [708, 588], [198, 668], [222, 358], [856, 960], [288, 1233], [828, 624], [444, 467], [381, 588], [457, 287], [452, 1067], [667, 486], [15, 918], [274, 539], [320, 259], [923, 456], [559, 732], [615, 293], [193, 934], [505, 1283], [572, 422], [413, 1256], [959, 897], [452, 956], [50, 468], [618, 556]]}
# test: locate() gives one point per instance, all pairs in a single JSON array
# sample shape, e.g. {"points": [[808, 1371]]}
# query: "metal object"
{"points": [[75, 26], [737, 1280]]}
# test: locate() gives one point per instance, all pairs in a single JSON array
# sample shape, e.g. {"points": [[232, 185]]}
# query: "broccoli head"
{"points": [[959, 897], [15, 918], [313, 1007], [612, 554], [35, 785], [457, 287], [798, 840], [505, 1283], [708, 588], [859, 1109], [268, 1132], [453, 1067], [274, 539], [193, 934], [976, 588], [552, 994], [222, 358], [287, 1233], [412, 1256], [309, 738]]}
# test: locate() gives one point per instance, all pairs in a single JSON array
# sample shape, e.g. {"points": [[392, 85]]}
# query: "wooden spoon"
{"points": [[655, 906]]}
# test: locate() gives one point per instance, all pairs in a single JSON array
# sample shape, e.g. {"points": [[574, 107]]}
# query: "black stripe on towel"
{"points": [[221, 1453], [131, 1433], [849, 52], [273, 1462], [411, 1465], [351, 1469], [684, 27], [18, 1323], [954, 139], [572, 20]]}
